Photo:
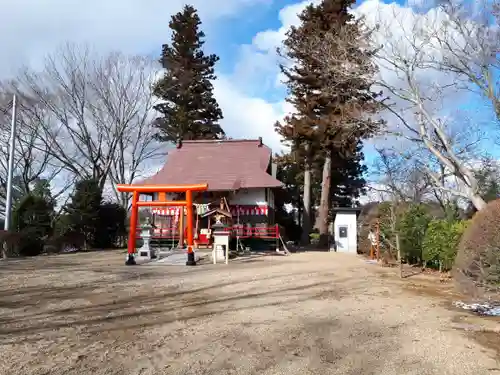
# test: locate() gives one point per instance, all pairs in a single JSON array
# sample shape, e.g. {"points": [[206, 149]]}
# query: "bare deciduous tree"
{"points": [[32, 161], [91, 110], [135, 150], [419, 90], [470, 42], [390, 168], [425, 61]]}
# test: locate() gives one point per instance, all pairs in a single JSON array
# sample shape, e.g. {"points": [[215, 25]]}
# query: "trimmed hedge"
{"points": [[412, 228], [477, 266], [439, 247]]}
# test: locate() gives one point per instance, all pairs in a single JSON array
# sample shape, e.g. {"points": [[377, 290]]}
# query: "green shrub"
{"points": [[111, 228], [82, 213], [314, 238], [412, 228], [439, 248], [32, 219], [477, 266]]}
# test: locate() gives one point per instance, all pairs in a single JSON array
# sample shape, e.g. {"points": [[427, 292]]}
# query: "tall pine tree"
{"points": [[188, 109], [332, 100]]}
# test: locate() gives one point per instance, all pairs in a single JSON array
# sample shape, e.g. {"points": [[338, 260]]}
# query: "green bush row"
{"points": [[422, 239], [86, 222], [440, 244]]}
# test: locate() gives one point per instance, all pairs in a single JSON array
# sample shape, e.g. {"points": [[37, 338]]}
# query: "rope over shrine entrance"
{"points": [[162, 191]]}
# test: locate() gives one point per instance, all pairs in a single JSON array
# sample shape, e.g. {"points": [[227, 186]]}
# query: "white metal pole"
{"points": [[12, 141]]}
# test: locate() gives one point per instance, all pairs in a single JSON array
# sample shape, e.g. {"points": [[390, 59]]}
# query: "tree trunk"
{"points": [[324, 204], [306, 208], [5, 252], [394, 230], [478, 202], [398, 248], [299, 210]]}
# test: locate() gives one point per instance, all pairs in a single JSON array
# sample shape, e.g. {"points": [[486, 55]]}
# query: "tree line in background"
{"points": [[420, 226], [344, 76], [89, 121], [86, 221]]}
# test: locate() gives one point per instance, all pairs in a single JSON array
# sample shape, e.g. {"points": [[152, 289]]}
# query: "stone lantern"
{"points": [[146, 251], [221, 236]]}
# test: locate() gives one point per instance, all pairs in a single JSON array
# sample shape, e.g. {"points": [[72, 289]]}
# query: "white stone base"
{"points": [[175, 259], [219, 254], [145, 253]]}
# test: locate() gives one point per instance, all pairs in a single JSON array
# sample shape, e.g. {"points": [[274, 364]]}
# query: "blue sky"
{"points": [[232, 33], [229, 37], [244, 33]]}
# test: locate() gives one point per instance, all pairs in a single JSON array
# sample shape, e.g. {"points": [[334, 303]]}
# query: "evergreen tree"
{"points": [[33, 220], [331, 99], [489, 185], [41, 189], [291, 175], [189, 109], [112, 227], [348, 182], [82, 217]]}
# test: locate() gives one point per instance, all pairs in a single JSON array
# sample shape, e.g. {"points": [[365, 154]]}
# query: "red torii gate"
{"points": [[136, 190]]}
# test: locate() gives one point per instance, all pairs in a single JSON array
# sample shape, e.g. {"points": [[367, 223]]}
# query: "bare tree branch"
{"points": [[419, 89], [88, 106], [32, 161]]}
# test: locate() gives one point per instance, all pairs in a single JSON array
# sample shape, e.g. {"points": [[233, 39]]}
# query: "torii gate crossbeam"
{"points": [[136, 190]]}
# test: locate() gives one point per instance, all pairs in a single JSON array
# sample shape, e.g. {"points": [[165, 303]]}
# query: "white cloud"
{"points": [[257, 68], [249, 117], [244, 95], [255, 71], [32, 28], [375, 192], [403, 33], [408, 35], [269, 40]]}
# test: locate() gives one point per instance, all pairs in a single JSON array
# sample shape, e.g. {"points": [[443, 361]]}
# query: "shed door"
{"points": [[343, 238]]}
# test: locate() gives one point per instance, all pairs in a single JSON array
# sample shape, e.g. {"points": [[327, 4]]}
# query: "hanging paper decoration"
{"points": [[248, 210], [201, 208], [241, 210], [170, 211]]}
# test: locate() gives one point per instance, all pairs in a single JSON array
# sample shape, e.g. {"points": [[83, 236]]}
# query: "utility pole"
{"points": [[8, 200]]}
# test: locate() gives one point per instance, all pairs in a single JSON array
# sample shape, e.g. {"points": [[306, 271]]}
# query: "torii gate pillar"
{"points": [[136, 190]]}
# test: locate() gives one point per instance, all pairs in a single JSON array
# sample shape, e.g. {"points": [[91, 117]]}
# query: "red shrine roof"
{"points": [[224, 165]]}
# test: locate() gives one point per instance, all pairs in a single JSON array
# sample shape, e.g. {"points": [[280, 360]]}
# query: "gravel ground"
{"points": [[312, 313]]}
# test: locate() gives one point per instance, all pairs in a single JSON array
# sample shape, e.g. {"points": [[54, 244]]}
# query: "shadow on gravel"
{"points": [[149, 311], [104, 305], [122, 308]]}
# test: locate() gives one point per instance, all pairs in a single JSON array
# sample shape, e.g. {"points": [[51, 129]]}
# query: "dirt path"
{"points": [[316, 313]]}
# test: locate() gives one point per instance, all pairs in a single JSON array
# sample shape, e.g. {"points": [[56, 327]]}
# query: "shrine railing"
{"points": [[241, 231], [261, 231]]}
